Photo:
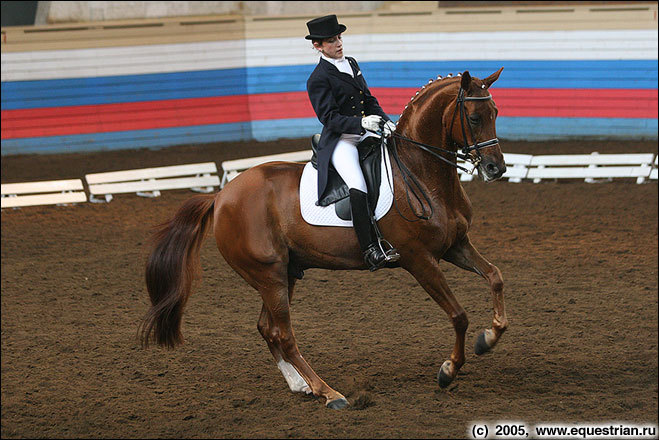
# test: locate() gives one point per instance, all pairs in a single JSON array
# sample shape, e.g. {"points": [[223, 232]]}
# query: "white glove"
{"points": [[372, 123], [389, 128]]}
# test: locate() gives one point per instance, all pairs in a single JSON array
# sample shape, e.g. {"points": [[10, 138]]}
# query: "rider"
{"points": [[349, 113]]}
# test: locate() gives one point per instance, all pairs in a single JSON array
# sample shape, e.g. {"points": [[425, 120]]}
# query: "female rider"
{"points": [[344, 105]]}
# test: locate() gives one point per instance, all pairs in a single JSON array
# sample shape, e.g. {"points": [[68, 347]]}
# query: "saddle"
{"points": [[337, 192]]}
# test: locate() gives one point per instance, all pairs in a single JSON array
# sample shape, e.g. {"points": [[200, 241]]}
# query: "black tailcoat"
{"points": [[340, 101]]}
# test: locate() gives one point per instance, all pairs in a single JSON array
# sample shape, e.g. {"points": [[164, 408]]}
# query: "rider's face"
{"points": [[331, 47]]}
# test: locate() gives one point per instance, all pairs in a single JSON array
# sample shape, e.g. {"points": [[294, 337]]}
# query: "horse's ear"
{"points": [[490, 79], [466, 80]]}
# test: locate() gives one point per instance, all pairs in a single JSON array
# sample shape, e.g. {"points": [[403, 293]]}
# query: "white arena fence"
{"points": [[51, 192], [201, 177], [589, 167], [148, 182]]}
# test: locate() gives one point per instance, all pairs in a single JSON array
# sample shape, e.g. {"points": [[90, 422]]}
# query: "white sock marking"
{"points": [[296, 383], [490, 337]]}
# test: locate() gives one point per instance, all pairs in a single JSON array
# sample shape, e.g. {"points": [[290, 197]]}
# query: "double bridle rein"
{"points": [[465, 155]]}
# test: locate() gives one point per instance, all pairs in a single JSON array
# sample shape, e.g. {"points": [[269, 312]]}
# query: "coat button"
{"points": [[361, 102], [362, 112], [361, 93], [353, 106]]}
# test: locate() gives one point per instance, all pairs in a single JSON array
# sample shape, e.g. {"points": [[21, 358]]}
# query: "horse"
{"points": [[261, 234]]}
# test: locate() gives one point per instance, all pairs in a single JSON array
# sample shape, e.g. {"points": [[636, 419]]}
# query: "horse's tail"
{"points": [[171, 269]]}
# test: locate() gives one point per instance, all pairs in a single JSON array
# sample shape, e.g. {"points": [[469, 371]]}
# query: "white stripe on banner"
{"points": [[447, 46], [129, 60], [264, 52]]}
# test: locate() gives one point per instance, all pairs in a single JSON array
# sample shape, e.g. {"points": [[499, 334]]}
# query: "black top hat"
{"points": [[324, 27]]}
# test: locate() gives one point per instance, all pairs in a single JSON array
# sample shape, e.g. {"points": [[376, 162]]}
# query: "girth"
{"points": [[337, 192]]}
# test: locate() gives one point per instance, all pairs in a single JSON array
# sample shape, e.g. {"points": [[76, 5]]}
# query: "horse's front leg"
{"points": [[464, 255], [425, 268]]}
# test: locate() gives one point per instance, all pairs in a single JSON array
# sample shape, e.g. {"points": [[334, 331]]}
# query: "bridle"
{"points": [[465, 155], [466, 149]]}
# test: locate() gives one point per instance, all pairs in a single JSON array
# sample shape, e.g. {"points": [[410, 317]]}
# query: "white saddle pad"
{"points": [[326, 215]]}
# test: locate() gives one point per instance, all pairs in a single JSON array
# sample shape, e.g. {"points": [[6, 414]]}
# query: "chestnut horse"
{"points": [[260, 232]]}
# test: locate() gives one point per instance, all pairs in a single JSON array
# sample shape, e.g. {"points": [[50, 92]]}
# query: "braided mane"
{"points": [[422, 93]]}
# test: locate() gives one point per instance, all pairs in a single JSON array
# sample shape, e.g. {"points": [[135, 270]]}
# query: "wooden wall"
{"points": [[575, 70]]}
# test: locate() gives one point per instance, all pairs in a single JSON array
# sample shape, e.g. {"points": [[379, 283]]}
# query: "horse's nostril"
{"points": [[491, 168]]}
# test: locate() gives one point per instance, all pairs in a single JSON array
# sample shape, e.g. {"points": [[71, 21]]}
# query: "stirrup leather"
{"points": [[390, 252]]}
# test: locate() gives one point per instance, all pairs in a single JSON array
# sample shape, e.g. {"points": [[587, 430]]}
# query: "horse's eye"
{"points": [[474, 118]]}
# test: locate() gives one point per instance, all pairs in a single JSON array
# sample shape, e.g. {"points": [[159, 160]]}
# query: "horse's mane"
{"points": [[429, 89]]}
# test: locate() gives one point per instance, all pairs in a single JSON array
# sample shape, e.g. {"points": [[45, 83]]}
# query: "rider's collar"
{"points": [[335, 61]]}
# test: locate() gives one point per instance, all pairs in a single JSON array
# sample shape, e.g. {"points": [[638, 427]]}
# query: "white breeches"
{"points": [[345, 159]]}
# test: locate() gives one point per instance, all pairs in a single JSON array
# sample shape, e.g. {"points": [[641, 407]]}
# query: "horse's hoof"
{"points": [[481, 345], [338, 403], [443, 379]]}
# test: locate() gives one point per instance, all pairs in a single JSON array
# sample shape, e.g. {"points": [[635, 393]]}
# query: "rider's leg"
{"points": [[345, 159], [361, 220]]}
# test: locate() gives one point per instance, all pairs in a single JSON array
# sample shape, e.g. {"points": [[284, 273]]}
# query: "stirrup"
{"points": [[391, 254]]}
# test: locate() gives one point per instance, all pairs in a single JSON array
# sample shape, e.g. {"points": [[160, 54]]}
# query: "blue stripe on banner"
{"points": [[278, 79], [156, 138], [538, 129], [511, 128], [118, 89], [267, 130], [605, 74]]}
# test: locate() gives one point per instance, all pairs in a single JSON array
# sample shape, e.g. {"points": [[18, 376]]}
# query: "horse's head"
{"points": [[472, 125]]}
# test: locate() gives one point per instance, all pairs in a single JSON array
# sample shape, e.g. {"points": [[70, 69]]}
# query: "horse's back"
{"points": [[265, 176]]}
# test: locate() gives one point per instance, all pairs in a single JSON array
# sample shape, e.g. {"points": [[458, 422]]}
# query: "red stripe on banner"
{"points": [[290, 105], [87, 119], [58, 121], [564, 103], [551, 103]]}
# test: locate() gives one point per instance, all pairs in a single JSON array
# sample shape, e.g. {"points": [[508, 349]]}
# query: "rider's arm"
{"points": [[371, 104], [327, 110]]}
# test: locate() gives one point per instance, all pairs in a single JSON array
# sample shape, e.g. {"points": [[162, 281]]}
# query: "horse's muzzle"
{"points": [[491, 170]]}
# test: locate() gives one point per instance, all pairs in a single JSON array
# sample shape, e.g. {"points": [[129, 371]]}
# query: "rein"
{"points": [[408, 178], [430, 148]]}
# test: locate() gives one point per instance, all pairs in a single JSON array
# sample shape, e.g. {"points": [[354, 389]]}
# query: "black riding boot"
{"points": [[361, 220]]}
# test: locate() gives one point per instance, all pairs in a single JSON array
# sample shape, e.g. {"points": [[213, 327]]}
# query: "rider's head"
{"points": [[325, 34]]}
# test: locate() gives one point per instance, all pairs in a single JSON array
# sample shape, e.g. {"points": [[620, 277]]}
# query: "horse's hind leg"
{"points": [[275, 326], [248, 232], [465, 256], [296, 383], [426, 270]]}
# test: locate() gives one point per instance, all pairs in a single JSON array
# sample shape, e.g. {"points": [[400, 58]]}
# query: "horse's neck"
{"points": [[425, 125]]}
